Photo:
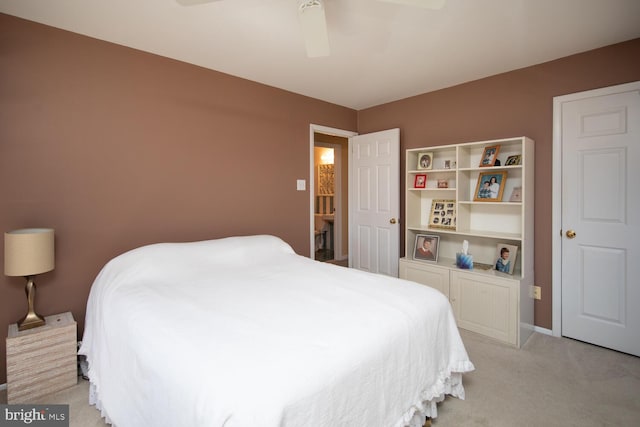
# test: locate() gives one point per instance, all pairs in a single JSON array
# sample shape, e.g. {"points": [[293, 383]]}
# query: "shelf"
{"points": [[484, 300], [467, 202], [470, 233], [482, 223], [432, 189]]}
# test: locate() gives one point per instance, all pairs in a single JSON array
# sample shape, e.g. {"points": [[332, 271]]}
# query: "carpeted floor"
{"points": [[551, 382]]}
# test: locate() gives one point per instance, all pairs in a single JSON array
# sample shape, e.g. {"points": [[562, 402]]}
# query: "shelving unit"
{"points": [[495, 304]]}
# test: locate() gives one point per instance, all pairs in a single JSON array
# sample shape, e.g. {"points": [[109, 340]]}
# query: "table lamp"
{"points": [[28, 252]]}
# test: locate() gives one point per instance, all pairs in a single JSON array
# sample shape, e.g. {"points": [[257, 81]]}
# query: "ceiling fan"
{"points": [[314, 24]]}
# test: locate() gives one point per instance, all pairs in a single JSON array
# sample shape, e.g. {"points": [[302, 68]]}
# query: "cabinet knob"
{"points": [[571, 234]]}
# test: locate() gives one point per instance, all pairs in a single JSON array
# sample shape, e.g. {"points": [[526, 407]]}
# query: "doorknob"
{"points": [[393, 221], [571, 234]]}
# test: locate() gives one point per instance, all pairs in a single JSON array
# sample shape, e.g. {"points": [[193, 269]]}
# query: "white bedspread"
{"points": [[243, 332]]}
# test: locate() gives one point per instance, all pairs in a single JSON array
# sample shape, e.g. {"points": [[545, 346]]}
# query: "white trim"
{"points": [[3, 386], [313, 128], [556, 214], [556, 219], [544, 331]]}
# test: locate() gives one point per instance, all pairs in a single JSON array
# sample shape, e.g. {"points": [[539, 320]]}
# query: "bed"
{"points": [[242, 331]]}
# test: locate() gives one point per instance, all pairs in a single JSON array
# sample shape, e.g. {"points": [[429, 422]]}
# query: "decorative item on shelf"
{"points": [[490, 186], [28, 252], [489, 156], [443, 214], [464, 259], [425, 160], [516, 195], [506, 257], [513, 160], [426, 247], [443, 183], [420, 181], [448, 164]]}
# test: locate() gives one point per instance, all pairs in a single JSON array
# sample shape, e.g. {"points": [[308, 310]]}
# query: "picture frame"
{"points": [[326, 179], [425, 160], [516, 194], [426, 247], [515, 160], [490, 186], [505, 258], [447, 164], [420, 181], [443, 183], [489, 156], [443, 214]]}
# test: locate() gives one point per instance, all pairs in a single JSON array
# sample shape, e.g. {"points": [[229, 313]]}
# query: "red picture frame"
{"points": [[420, 181]]}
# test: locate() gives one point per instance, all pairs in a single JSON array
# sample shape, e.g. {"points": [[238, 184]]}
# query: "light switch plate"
{"points": [[301, 185]]}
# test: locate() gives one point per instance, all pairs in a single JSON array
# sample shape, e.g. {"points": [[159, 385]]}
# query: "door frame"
{"points": [[314, 128], [556, 218]]}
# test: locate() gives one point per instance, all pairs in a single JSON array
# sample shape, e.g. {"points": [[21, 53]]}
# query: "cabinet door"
{"points": [[426, 274], [486, 304]]}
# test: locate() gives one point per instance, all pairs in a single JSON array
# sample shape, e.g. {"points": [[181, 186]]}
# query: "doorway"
{"points": [[595, 217], [329, 194]]}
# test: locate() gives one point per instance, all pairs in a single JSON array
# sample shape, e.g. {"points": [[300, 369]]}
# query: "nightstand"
{"points": [[41, 360]]}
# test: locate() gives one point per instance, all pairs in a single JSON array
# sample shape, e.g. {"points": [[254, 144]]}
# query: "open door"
{"points": [[374, 202]]}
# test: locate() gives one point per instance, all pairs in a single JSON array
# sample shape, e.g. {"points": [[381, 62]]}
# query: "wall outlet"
{"points": [[537, 292]]}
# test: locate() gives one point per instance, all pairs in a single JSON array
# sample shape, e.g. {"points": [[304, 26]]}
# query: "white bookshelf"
{"points": [[490, 302]]}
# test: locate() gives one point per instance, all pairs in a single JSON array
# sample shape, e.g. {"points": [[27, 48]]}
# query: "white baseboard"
{"points": [[542, 330], [3, 386]]}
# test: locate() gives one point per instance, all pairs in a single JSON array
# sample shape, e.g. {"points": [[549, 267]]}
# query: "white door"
{"points": [[600, 137], [374, 202]]}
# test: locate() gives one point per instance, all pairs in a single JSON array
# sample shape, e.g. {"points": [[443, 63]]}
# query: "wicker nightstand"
{"points": [[42, 360]]}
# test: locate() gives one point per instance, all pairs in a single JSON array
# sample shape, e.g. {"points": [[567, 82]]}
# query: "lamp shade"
{"points": [[28, 251]]}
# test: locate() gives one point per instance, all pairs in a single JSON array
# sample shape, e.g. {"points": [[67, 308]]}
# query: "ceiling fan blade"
{"points": [[427, 4], [194, 2], [314, 27]]}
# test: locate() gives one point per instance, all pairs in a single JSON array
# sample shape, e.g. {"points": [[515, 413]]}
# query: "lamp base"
{"points": [[32, 319]]}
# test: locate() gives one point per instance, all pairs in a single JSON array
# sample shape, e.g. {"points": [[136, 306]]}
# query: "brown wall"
{"points": [[116, 148], [511, 104]]}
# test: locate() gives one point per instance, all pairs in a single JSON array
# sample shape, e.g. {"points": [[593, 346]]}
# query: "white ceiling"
{"points": [[380, 52]]}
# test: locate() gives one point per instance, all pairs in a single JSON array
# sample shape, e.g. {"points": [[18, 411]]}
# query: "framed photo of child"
{"points": [[505, 258], [426, 247]]}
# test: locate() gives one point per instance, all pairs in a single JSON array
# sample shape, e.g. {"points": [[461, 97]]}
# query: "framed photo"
{"points": [[505, 257], [513, 160], [490, 186], [425, 160], [426, 247], [489, 156], [443, 183], [443, 214], [447, 164], [516, 195], [420, 181]]}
